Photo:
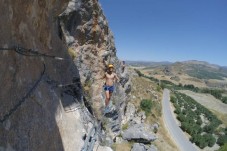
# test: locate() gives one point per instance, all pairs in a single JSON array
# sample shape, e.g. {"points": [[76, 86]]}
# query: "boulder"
{"points": [[139, 133], [119, 140], [155, 126], [143, 147], [138, 147], [136, 120], [142, 115], [101, 148]]}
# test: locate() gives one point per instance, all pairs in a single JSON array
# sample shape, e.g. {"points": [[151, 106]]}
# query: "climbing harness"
{"points": [[22, 100]]}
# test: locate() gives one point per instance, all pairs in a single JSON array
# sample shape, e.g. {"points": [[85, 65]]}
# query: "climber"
{"points": [[123, 66], [110, 77]]}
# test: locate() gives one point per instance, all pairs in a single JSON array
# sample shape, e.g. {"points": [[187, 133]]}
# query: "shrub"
{"points": [[222, 140], [173, 99], [125, 126], [211, 140], [177, 110], [223, 148], [209, 129], [155, 130], [199, 121], [224, 100], [146, 105], [158, 88]]}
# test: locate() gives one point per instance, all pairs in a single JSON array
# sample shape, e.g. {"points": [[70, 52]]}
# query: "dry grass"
{"points": [[184, 79], [122, 147], [140, 89], [164, 141], [222, 117]]}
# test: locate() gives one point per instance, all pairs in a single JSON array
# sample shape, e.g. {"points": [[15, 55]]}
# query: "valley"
{"points": [[201, 82]]}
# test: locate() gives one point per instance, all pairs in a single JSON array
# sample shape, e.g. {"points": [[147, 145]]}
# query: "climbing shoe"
{"points": [[107, 110]]}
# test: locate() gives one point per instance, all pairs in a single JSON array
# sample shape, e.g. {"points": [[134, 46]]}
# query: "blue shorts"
{"points": [[109, 88]]}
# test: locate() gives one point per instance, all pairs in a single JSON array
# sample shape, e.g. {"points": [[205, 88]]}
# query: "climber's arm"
{"points": [[103, 77], [117, 78]]}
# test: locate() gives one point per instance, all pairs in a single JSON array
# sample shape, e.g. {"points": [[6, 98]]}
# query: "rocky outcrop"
{"points": [[132, 117], [167, 71], [48, 103], [138, 147], [139, 133], [142, 147], [129, 113], [91, 45]]}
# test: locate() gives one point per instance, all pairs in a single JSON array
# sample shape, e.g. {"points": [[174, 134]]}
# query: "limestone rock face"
{"points": [[138, 147], [140, 133], [43, 100], [130, 112], [142, 147], [131, 115], [91, 45]]}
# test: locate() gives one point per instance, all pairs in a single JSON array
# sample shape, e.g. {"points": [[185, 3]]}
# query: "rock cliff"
{"points": [[91, 45], [53, 54]]}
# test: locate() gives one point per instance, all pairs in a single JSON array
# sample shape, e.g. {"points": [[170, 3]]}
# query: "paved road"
{"points": [[176, 133]]}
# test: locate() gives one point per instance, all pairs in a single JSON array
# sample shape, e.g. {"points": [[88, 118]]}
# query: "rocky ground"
{"points": [[138, 130]]}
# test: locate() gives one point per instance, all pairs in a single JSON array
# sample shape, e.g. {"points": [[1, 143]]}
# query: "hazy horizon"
{"points": [[173, 61]]}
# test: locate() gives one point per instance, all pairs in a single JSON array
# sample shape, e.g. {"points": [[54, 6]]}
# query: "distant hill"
{"points": [[200, 70], [224, 67], [199, 73], [147, 63]]}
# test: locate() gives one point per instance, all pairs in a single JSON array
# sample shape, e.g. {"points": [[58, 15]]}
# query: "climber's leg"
{"points": [[107, 98]]}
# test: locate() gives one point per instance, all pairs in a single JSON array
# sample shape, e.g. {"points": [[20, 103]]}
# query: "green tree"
{"points": [[209, 129], [173, 99], [210, 139], [181, 117], [177, 110], [202, 142], [224, 100], [180, 85], [222, 140], [199, 121]]}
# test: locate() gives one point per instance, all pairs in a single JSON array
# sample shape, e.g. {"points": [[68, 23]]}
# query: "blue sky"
{"points": [[169, 30]]}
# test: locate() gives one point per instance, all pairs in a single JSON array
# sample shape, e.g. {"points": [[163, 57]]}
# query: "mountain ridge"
{"points": [[169, 62]]}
